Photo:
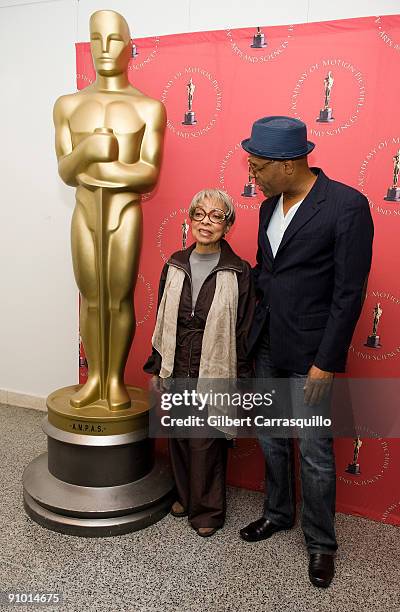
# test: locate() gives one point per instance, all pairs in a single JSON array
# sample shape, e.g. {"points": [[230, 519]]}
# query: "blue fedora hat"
{"points": [[278, 137]]}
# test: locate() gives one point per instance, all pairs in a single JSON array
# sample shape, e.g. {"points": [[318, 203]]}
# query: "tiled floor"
{"points": [[168, 568]]}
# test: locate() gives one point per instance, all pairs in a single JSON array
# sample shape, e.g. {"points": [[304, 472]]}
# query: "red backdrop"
{"points": [[236, 84]]}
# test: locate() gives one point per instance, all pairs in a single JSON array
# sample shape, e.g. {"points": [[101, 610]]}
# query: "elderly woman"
{"points": [[206, 305]]}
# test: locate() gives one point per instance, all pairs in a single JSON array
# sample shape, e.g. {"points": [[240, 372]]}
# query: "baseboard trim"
{"points": [[11, 398]]}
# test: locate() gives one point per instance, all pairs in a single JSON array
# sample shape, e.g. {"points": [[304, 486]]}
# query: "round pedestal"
{"points": [[100, 476], [95, 511]]}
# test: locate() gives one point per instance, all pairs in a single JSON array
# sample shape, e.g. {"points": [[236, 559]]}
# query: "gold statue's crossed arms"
{"points": [[100, 147]]}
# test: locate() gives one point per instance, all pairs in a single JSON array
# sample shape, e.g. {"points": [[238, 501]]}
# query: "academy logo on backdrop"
{"points": [[257, 47], [82, 81], [145, 197], [372, 458], [376, 337], [234, 178], [379, 177], [173, 233], [389, 515], [83, 364], [144, 300], [328, 96], [193, 98], [142, 57], [385, 34]]}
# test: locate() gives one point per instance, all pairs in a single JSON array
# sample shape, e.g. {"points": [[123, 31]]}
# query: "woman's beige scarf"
{"points": [[218, 351]]}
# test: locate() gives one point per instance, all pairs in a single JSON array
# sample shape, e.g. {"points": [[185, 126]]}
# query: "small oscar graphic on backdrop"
{"points": [[325, 114], [249, 189], [185, 230], [393, 193], [134, 51], [374, 341], [190, 117], [259, 41], [354, 467]]}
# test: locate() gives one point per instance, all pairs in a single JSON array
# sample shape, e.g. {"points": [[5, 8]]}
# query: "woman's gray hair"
{"points": [[216, 195]]}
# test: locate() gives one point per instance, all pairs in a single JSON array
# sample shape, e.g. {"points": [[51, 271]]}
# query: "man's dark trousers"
{"points": [[317, 463], [310, 294]]}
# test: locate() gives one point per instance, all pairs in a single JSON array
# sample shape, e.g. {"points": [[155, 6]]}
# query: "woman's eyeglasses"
{"points": [[215, 215]]}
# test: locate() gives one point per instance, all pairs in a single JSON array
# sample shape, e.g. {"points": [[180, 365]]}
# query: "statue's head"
{"points": [[110, 42]]}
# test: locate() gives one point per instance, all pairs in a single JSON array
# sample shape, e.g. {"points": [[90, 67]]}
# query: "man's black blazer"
{"points": [[314, 288]]}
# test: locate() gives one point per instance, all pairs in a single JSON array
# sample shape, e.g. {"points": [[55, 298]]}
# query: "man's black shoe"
{"points": [[261, 529], [321, 569]]}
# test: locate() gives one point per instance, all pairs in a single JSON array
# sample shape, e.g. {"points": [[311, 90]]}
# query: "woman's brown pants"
{"points": [[199, 469]]}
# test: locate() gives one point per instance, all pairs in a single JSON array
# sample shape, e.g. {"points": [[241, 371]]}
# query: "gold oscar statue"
{"points": [[109, 140], [100, 476]]}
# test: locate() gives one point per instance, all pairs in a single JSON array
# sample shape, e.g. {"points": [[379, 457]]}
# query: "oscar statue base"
{"points": [[249, 190], [190, 118], [100, 476], [373, 342], [353, 468], [393, 194], [325, 116], [259, 41]]}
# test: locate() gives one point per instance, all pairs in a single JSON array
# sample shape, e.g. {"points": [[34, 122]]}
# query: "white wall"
{"points": [[38, 306]]}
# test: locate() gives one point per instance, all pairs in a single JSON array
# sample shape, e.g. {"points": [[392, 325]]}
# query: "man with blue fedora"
{"points": [[313, 260]]}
